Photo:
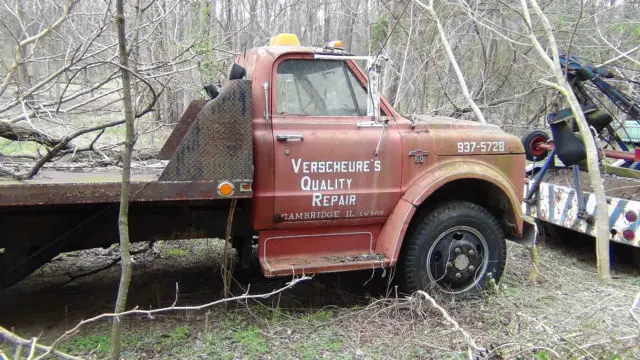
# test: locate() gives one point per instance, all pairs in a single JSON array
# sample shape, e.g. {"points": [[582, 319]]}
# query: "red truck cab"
{"points": [[335, 190]]}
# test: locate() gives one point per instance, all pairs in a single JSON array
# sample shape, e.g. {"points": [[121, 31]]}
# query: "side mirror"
{"points": [[212, 91]]}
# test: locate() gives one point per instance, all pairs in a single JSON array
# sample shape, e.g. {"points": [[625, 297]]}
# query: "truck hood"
{"points": [[463, 137]]}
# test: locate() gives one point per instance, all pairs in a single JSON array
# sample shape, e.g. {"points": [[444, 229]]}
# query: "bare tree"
{"points": [[123, 218], [452, 59], [593, 166]]}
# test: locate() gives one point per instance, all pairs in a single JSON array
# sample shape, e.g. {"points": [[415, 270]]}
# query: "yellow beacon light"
{"points": [[335, 44], [225, 188], [284, 40]]}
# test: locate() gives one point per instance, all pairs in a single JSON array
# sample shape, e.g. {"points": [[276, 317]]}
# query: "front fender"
{"points": [[393, 232]]}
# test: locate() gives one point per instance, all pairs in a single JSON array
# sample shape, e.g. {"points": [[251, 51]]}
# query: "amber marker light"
{"points": [[225, 188]]}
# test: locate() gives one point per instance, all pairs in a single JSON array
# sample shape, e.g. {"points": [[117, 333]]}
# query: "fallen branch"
{"points": [[111, 264], [173, 307], [63, 144], [456, 327], [22, 133]]}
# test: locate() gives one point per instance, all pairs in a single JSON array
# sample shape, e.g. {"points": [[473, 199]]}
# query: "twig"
{"points": [[617, 340], [621, 54], [8, 336], [452, 321], [32, 352], [557, 336], [498, 101], [632, 310]]}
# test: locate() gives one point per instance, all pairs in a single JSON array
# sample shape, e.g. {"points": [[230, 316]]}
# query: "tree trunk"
{"points": [[452, 60], [602, 218], [393, 49], [123, 219], [593, 167], [350, 20], [326, 23], [227, 24], [23, 52]]}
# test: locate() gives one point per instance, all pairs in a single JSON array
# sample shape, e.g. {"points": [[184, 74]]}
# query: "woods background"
{"points": [[59, 71]]}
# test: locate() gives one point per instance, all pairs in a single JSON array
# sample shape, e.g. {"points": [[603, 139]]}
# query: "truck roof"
{"points": [[276, 51], [268, 54], [289, 43]]}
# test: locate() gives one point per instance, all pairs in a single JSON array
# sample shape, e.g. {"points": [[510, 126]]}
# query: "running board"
{"points": [[321, 264], [309, 251]]}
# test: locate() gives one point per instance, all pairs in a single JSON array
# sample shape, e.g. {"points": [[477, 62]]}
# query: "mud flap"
{"points": [[529, 232]]}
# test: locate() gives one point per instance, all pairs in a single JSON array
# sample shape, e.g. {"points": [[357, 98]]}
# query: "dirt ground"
{"points": [[348, 316]]}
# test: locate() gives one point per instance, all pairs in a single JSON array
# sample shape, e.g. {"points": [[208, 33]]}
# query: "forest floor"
{"points": [[568, 314]]}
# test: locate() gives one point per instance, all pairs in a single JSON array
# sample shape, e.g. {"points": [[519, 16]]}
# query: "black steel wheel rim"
{"points": [[457, 260]]}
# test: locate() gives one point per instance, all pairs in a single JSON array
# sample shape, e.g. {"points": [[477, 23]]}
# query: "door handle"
{"points": [[287, 137], [370, 124]]}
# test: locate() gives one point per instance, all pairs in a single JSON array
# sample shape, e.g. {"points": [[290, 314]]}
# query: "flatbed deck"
{"points": [[615, 186], [69, 207], [556, 202], [102, 185]]}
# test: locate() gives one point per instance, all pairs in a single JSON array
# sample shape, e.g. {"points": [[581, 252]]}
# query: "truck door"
{"points": [[332, 163]]}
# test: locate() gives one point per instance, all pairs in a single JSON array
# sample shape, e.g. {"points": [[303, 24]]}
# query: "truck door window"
{"points": [[318, 88]]}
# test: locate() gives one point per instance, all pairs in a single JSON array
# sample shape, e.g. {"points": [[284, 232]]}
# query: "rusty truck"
{"points": [[323, 174]]}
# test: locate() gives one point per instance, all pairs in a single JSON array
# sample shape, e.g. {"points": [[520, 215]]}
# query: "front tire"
{"points": [[453, 251]]}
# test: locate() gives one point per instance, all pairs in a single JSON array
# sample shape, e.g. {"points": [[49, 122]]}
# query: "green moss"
{"points": [[251, 341], [99, 344]]}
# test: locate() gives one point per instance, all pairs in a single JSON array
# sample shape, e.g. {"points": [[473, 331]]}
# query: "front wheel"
{"points": [[453, 251]]}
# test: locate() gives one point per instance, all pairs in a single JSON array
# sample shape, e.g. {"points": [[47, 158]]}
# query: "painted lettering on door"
{"points": [[342, 181]]}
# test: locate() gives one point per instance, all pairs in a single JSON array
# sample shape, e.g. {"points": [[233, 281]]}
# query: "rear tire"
{"points": [[530, 142], [453, 251]]}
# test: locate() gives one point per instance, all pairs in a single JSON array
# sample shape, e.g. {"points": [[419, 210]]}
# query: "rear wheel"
{"points": [[453, 251]]}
